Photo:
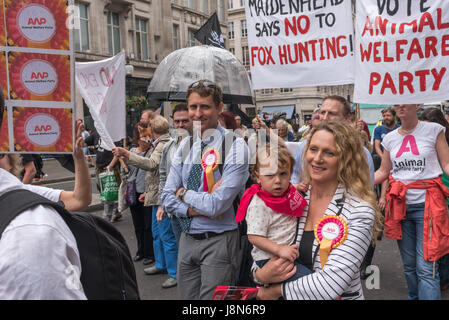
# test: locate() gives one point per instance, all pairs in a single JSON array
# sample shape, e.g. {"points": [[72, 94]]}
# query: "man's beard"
{"points": [[389, 123]]}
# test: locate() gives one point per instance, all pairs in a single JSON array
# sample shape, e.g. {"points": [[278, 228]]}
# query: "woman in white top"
{"points": [[339, 177], [412, 155]]}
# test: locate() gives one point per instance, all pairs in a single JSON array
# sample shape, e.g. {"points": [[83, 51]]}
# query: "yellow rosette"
{"points": [[209, 162], [330, 232]]}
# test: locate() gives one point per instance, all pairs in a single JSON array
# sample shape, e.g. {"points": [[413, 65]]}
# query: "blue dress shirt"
{"points": [[216, 209]]}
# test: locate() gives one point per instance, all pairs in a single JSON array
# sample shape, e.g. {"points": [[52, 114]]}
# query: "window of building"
{"points": [[191, 39], [245, 53], [205, 6], [267, 91], [82, 34], [244, 29], [230, 4], [231, 30], [242, 3], [113, 23], [175, 37], [232, 50], [142, 39], [191, 4], [285, 90]]}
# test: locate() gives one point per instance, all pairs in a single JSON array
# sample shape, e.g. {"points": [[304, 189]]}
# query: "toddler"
{"points": [[272, 207]]}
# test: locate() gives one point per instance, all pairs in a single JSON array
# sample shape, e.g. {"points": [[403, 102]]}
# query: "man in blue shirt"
{"points": [[209, 243], [388, 124], [333, 108]]}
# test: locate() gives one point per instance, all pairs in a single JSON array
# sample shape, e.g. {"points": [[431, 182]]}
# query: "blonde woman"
{"points": [[338, 173]]}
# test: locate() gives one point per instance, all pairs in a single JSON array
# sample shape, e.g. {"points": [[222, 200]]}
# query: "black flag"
{"points": [[210, 32]]}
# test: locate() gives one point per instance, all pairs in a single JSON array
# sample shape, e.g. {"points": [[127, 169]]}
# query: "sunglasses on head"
{"points": [[202, 83]]}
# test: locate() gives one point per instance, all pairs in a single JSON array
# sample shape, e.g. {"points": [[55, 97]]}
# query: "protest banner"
{"points": [[295, 43], [402, 52], [36, 75], [102, 85]]}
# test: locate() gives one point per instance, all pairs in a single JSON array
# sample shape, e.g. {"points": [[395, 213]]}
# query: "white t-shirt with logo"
{"points": [[414, 156]]}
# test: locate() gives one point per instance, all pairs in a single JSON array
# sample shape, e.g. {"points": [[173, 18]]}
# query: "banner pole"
{"points": [[125, 167], [255, 103]]}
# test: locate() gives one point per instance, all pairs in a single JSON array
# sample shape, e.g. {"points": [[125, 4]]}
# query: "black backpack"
{"points": [[107, 268]]}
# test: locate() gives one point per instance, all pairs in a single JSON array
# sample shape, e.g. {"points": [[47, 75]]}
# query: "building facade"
{"points": [[301, 100], [147, 30]]}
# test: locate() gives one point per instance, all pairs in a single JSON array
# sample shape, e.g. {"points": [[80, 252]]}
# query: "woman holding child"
{"points": [[335, 228]]}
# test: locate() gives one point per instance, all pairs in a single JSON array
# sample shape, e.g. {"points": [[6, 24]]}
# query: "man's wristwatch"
{"points": [[182, 194]]}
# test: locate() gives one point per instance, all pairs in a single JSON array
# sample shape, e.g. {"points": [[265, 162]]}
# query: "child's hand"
{"points": [[302, 186], [289, 252]]}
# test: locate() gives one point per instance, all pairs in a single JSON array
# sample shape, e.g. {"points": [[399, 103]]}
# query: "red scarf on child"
{"points": [[291, 203]]}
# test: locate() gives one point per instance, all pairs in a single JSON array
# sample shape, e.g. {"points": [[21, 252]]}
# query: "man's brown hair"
{"points": [[206, 88], [346, 107]]}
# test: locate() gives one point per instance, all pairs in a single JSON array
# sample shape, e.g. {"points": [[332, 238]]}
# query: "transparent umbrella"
{"points": [[184, 66]]}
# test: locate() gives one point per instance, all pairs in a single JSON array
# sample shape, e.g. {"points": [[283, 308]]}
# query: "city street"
{"points": [[387, 283]]}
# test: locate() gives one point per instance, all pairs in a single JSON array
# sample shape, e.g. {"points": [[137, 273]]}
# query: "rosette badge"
{"points": [[37, 24], [330, 232]]}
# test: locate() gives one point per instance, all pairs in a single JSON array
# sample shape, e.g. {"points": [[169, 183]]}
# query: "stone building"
{"points": [[148, 30], [299, 101]]}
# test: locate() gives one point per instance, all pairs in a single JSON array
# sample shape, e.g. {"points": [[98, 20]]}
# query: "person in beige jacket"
{"points": [[164, 242]]}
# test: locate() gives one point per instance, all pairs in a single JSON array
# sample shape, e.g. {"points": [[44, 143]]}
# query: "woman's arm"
{"points": [[384, 171], [81, 196], [275, 270], [443, 152]]}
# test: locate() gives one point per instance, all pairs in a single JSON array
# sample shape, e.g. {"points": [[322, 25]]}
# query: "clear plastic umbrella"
{"points": [[184, 66]]}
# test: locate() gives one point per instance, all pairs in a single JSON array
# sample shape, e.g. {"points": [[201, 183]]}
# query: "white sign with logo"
{"points": [[42, 130], [36, 23], [39, 77]]}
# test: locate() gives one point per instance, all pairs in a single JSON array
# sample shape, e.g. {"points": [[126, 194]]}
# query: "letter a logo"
{"points": [[404, 147]]}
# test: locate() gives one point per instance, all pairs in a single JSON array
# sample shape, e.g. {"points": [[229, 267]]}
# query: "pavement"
{"points": [[55, 173]]}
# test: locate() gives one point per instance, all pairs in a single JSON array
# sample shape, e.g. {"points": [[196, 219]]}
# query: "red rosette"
{"points": [[58, 10], [21, 116], [337, 230], [60, 64]]}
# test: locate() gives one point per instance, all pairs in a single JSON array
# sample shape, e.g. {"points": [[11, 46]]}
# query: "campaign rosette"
{"points": [[4, 134], [37, 24], [330, 232], [43, 77], [43, 129], [209, 162]]}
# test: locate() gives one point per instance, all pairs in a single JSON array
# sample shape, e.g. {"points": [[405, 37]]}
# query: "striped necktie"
{"points": [[193, 183]]}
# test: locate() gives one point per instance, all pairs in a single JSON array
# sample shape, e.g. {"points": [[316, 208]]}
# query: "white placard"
{"points": [[300, 43], [402, 51], [102, 85]]}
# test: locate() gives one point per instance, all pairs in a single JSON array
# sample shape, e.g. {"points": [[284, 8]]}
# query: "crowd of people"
{"points": [[200, 186]]}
